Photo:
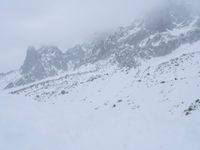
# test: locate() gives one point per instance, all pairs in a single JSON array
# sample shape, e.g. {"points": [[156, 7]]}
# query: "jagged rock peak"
{"points": [[49, 49], [31, 48], [31, 59], [43, 62]]}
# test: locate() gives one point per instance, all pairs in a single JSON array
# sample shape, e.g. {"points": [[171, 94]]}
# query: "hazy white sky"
{"points": [[59, 22]]}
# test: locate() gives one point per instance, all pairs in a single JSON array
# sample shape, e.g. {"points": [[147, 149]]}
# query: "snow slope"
{"points": [[172, 80], [155, 106], [25, 124]]}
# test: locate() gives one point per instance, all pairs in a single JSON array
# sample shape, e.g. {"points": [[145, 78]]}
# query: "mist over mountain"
{"points": [[63, 23], [135, 85], [157, 34]]}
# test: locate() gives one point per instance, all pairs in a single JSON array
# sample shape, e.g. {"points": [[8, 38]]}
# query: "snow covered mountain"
{"points": [[161, 79], [158, 34], [106, 107], [155, 53], [39, 64], [137, 88]]}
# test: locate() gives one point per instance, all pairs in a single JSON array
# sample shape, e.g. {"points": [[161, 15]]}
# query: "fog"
{"points": [[62, 22]]}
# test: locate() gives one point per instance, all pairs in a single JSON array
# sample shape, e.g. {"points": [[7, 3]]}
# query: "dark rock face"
{"points": [[75, 56], [32, 59], [39, 64]]}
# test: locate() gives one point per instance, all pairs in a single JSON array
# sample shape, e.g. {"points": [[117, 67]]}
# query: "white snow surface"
{"points": [[137, 109], [28, 125], [4, 81]]}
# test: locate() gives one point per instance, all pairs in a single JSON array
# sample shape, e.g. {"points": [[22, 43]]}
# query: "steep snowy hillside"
{"points": [[154, 106], [172, 80]]}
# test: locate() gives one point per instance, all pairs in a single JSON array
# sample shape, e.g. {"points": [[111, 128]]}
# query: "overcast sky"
{"points": [[59, 22]]}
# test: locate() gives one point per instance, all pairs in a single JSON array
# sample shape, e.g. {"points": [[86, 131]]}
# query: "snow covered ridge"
{"points": [[108, 108], [119, 109], [158, 57], [158, 34], [172, 80]]}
